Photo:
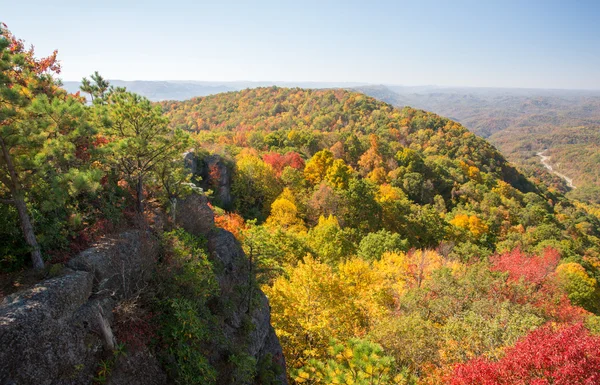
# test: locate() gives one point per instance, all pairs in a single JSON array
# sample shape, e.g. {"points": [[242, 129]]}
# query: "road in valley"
{"points": [[546, 163]]}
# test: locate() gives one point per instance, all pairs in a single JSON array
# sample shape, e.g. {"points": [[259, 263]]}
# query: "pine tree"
{"points": [[140, 139], [97, 87], [23, 80]]}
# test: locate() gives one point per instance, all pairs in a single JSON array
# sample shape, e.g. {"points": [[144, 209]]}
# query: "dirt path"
{"points": [[544, 159]]}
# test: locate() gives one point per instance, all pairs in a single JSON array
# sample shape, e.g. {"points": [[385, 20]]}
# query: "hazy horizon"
{"points": [[349, 83]]}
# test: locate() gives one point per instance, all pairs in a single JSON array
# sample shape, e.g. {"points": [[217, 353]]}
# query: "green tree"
{"points": [[363, 211], [331, 243], [358, 362], [255, 186], [23, 80], [141, 140], [581, 288], [97, 87], [373, 245]]}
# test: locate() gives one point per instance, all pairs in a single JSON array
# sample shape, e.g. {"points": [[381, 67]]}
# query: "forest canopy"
{"points": [[396, 240]]}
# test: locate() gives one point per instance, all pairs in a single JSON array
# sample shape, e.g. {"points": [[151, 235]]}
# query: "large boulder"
{"points": [[119, 264], [191, 162], [194, 216], [56, 332], [59, 331], [240, 300]]}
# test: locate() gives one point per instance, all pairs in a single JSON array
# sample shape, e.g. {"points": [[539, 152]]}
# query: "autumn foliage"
{"points": [[531, 268], [346, 200], [231, 222], [565, 356], [279, 162]]}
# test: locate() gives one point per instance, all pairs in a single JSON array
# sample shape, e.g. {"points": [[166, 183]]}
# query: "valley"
{"points": [[546, 162], [521, 123]]}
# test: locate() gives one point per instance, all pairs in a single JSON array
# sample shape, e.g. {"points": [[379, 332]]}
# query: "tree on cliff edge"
{"points": [[24, 80], [141, 142]]}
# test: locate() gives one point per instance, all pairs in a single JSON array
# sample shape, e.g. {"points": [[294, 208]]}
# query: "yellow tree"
{"points": [[316, 303], [284, 213], [403, 270], [316, 168], [471, 223], [338, 174], [301, 310], [362, 289]]}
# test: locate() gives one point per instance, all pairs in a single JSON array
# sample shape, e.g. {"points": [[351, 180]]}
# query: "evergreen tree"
{"points": [[23, 80], [141, 141], [97, 87]]}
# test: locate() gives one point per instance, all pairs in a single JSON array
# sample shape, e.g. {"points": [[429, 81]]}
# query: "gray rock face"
{"points": [[50, 334], [194, 216], [137, 368], [243, 301], [215, 173], [190, 162], [218, 177], [119, 265], [239, 298]]}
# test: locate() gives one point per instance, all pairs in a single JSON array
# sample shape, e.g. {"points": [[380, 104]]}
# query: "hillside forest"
{"points": [[522, 123], [395, 233], [394, 245]]}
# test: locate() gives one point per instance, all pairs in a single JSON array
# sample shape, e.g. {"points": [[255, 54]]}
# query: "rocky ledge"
{"points": [[58, 331]]}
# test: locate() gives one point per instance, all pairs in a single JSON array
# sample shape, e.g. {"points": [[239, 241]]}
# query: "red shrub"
{"points": [[531, 279], [134, 326], [565, 356], [533, 269], [232, 222], [279, 162]]}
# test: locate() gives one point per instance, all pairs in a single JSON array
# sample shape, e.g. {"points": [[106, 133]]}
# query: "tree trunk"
{"points": [[19, 202], [140, 194], [27, 228]]}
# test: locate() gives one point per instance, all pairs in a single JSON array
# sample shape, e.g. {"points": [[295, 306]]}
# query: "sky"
{"points": [[485, 43]]}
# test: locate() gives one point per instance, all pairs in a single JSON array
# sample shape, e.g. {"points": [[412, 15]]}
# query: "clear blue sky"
{"points": [[525, 43]]}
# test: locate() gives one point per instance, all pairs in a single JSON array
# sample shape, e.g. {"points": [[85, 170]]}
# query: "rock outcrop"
{"points": [[59, 331], [239, 299], [53, 333], [215, 174], [218, 177]]}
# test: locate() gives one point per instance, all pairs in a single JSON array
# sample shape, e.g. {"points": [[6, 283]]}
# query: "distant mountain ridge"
{"points": [[186, 89]]}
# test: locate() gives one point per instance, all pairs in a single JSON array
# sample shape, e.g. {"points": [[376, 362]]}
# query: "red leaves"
{"points": [[533, 269], [531, 279], [99, 141], [279, 162], [567, 356], [214, 175], [25, 69]]}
